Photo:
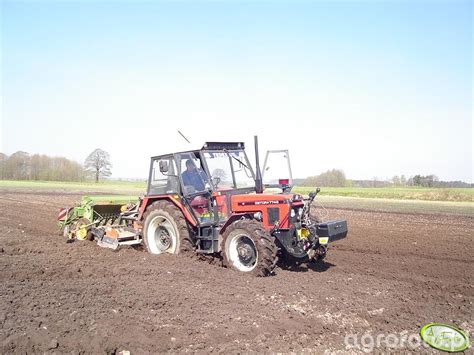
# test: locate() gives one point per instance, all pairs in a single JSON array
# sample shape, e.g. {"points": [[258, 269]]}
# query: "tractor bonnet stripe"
{"points": [[259, 203]]}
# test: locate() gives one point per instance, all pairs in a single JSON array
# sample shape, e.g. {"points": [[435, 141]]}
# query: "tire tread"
{"points": [[266, 247], [186, 244]]}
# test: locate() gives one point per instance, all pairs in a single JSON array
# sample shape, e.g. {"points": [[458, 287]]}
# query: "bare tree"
{"points": [[18, 166], [396, 180], [220, 173], [98, 164], [403, 180]]}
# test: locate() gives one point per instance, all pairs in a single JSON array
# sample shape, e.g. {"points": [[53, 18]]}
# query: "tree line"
{"points": [[430, 181], [337, 178], [97, 165], [333, 178], [40, 167]]}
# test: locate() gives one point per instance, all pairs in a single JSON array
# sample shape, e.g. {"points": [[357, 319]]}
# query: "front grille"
{"points": [[273, 215]]}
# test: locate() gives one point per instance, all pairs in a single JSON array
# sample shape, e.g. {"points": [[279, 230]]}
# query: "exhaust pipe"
{"points": [[258, 177]]}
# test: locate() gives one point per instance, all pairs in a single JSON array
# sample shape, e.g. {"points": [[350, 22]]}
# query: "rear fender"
{"points": [[147, 201]]}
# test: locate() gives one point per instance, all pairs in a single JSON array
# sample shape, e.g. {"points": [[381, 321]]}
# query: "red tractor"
{"points": [[210, 201]]}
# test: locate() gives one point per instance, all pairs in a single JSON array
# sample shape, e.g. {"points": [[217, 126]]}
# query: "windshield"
{"points": [[229, 170]]}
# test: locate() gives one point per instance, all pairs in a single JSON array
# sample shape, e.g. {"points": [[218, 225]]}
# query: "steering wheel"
{"points": [[189, 189]]}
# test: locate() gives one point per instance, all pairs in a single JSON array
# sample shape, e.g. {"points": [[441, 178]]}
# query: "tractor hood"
{"points": [[273, 208]]}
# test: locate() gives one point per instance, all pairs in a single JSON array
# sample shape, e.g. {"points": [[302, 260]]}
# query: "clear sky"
{"points": [[376, 88]]}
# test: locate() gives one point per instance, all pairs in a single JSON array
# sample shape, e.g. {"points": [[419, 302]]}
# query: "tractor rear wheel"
{"points": [[248, 247], [165, 229]]}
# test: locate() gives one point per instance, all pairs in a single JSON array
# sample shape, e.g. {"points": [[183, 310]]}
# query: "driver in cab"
{"points": [[194, 177]]}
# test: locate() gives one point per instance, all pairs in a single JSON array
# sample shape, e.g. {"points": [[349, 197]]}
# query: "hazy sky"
{"points": [[375, 88]]}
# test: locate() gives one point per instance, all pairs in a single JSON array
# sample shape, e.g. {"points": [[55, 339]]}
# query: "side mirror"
{"points": [[163, 166]]}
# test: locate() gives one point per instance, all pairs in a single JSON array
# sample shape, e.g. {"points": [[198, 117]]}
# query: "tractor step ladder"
{"points": [[208, 240]]}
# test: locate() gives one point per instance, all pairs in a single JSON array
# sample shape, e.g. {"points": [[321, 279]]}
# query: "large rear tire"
{"points": [[165, 230], [248, 247]]}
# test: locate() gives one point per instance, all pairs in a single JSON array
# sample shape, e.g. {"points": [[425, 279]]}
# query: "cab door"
{"points": [[196, 186]]}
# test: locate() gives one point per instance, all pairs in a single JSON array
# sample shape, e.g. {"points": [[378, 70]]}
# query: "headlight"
{"points": [[292, 213], [300, 212]]}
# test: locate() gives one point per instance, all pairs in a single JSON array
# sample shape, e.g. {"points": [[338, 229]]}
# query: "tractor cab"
{"points": [[204, 179], [216, 185]]}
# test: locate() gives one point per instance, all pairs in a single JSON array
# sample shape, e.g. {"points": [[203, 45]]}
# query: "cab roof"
{"points": [[210, 146], [223, 145]]}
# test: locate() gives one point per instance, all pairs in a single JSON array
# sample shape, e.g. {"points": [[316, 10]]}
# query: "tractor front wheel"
{"points": [[165, 230], [248, 247], [294, 254]]}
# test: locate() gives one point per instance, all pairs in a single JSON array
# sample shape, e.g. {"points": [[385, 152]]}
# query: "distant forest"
{"points": [[23, 166], [337, 178]]}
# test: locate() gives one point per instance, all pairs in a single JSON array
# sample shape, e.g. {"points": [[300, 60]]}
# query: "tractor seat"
{"points": [[199, 202]]}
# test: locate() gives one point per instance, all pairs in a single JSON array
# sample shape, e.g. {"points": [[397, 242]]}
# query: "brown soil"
{"points": [[393, 273]]}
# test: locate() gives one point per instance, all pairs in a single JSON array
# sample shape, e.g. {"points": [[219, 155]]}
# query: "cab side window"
{"points": [[163, 179]]}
